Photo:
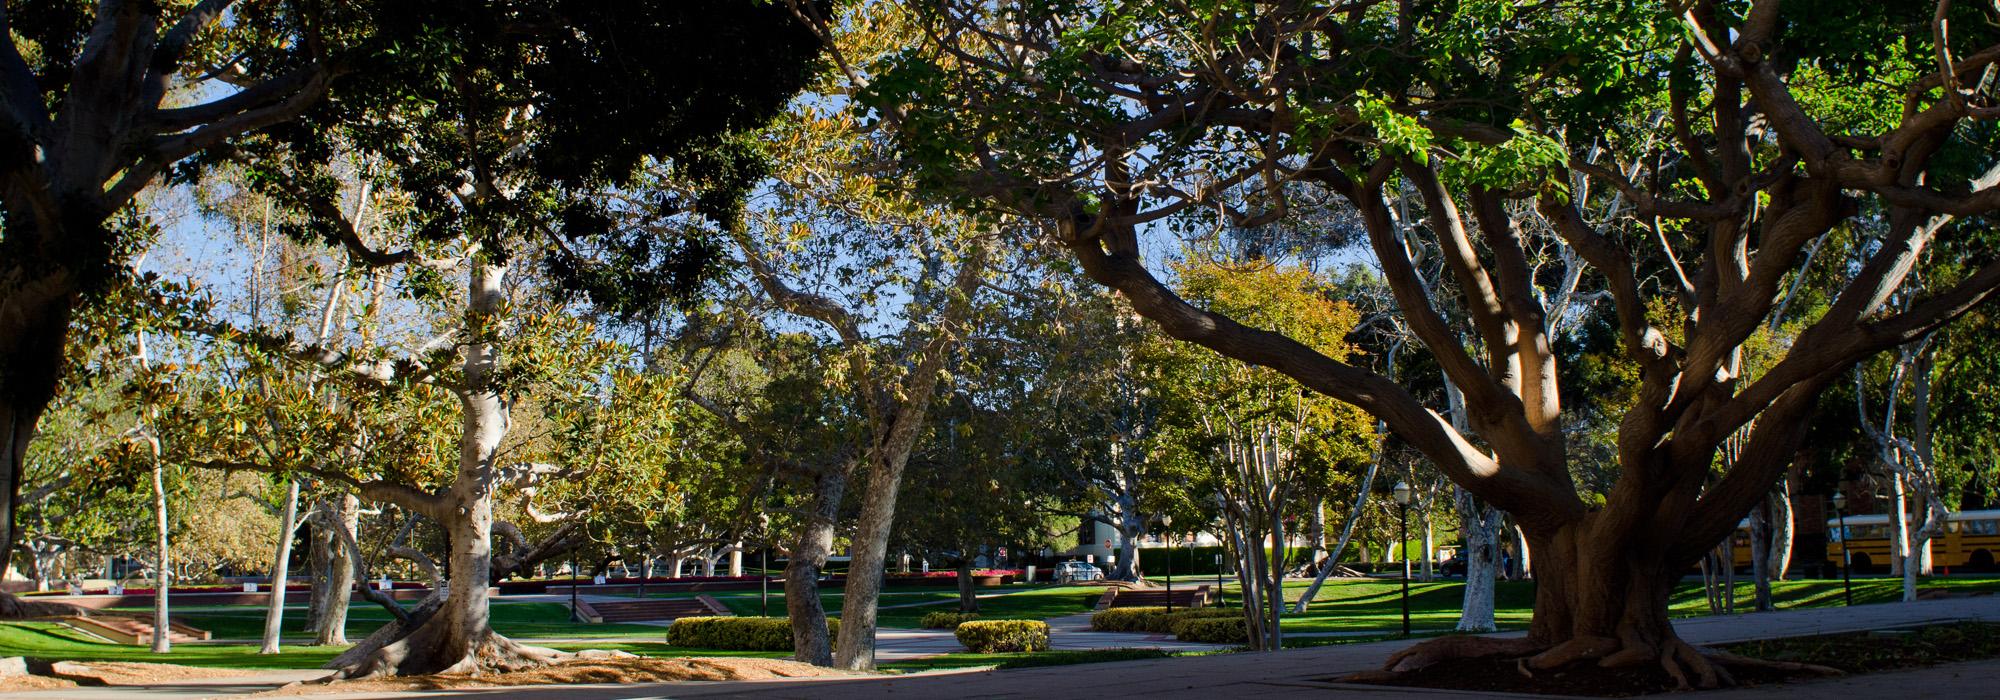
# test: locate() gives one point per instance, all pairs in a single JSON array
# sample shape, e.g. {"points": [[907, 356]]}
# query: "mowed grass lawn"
{"points": [[523, 620], [53, 642], [1357, 605]]}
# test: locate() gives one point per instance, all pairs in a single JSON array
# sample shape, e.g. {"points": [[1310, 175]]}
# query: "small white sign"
{"points": [[249, 586]]}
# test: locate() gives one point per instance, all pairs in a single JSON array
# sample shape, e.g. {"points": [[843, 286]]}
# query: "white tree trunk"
{"points": [[1429, 571], [1784, 526], [281, 569], [161, 581], [1480, 525]]}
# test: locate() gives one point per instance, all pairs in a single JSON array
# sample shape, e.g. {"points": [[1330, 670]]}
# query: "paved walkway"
{"points": [[1301, 672], [1296, 672]]}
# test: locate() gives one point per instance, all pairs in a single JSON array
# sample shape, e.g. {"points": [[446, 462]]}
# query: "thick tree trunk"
{"points": [[1480, 525], [1606, 610], [968, 596], [1784, 526], [340, 522], [856, 648], [1131, 527], [810, 641], [281, 568], [319, 558], [34, 325], [459, 637]]}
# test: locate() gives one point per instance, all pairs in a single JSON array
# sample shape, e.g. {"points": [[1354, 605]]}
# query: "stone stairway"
{"points": [[132, 630], [1194, 597], [655, 610]]}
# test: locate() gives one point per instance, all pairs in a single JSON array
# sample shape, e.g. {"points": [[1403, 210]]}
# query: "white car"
{"points": [[1078, 571]]}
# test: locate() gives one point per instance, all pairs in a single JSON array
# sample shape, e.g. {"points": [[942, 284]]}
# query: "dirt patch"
{"points": [[71, 674], [22, 684], [582, 671]]}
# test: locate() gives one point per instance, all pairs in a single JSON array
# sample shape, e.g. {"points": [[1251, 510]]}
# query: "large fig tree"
{"points": [[1723, 138]]}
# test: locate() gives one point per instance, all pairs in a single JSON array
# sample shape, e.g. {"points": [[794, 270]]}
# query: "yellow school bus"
{"points": [[1970, 541]]}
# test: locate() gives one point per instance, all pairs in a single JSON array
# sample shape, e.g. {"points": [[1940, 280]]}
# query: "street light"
{"points": [[1190, 541], [1846, 561], [764, 569], [1167, 521], [1220, 599], [1403, 494], [575, 614]]}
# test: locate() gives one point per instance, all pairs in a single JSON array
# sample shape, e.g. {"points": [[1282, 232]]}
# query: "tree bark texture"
{"points": [[856, 649], [337, 525], [810, 640], [968, 594], [1479, 524], [281, 567], [459, 636]]}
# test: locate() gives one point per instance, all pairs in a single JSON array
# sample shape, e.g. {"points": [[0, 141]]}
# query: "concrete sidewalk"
{"points": [[1301, 672]]}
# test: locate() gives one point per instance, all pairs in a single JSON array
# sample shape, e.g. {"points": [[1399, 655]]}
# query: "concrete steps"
{"points": [[643, 610], [1194, 597], [132, 630]]}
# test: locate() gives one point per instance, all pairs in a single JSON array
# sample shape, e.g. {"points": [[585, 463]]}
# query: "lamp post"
{"points": [[764, 569], [1403, 540], [1190, 543], [575, 615], [1220, 599], [1167, 521], [1846, 561]]}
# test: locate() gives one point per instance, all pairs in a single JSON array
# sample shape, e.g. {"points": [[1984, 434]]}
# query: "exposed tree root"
{"points": [[431, 642], [1459, 647], [415, 655], [1731, 660], [1573, 651], [1690, 667]]}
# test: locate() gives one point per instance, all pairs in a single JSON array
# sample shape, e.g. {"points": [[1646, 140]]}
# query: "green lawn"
{"points": [[523, 620], [47, 640], [1367, 605]]}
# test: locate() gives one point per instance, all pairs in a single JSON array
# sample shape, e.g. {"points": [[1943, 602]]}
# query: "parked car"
{"points": [[1078, 571]]}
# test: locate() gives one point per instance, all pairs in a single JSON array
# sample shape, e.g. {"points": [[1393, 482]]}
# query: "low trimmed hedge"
{"points": [[943, 620], [1214, 630], [995, 636], [1155, 619], [741, 633]]}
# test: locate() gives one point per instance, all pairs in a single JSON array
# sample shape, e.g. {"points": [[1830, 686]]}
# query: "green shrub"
{"points": [[1155, 620], [742, 633], [994, 636], [943, 620], [1179, 619], [1214, 630], [1125, 619]]}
